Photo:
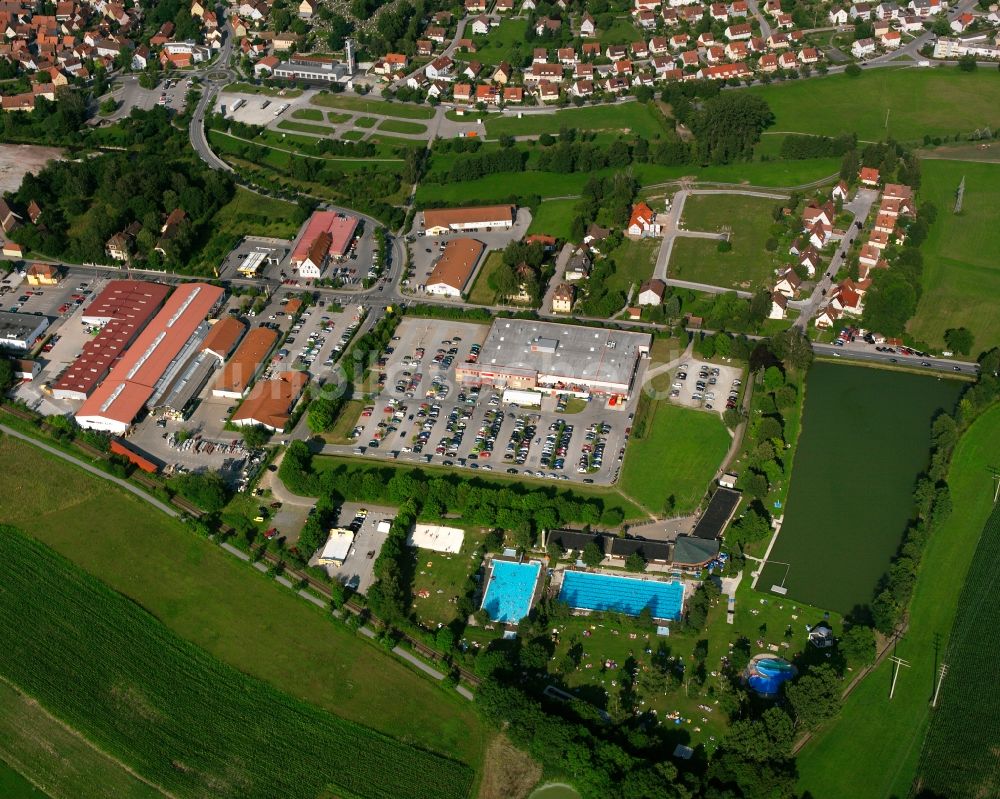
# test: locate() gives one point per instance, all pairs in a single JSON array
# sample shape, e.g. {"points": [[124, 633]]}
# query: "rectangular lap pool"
{"points": [[587, 591], [512, 585]]}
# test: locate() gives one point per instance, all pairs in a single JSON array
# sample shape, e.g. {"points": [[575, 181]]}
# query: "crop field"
{"points": [[871, 750], [381, 107], [675, 456], [961, 278], [960, 756], [747, 220], [207, 597], [853, 415], [51, 754], [878, 104], [180, 718]]}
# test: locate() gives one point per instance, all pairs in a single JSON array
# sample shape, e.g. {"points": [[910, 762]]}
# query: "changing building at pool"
{"points": [[557, 358]]}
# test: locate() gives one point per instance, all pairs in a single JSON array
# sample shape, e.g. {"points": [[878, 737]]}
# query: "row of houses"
{"points": [[863, 12], [847, 297]]}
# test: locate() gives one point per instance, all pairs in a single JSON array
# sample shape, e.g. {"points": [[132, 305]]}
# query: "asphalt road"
{"points": [[929, 364]]}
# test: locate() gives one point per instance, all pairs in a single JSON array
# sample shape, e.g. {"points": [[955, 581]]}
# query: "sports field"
{"points": [[871, 750], [747, 220], [184, 721], [675, 456], [865, 438], [960, 758], [208, 598], [880, 104], [961, 276]]}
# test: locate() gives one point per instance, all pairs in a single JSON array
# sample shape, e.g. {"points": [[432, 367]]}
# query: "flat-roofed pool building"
{"points": [[19, 331], [448, 220], [154, 359], [122, 309], [557, 358], [246, 363], [270, 402], [453, 270]]}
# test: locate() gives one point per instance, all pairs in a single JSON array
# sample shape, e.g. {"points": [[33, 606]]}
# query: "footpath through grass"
{"points": [[961, 278], [871, 750], [879, 104], [177, 716], [207, 597], [670, 462]]}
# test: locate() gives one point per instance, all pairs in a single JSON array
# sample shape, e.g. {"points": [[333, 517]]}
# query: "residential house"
{"points": [[504, 6], [779, 305], [788, 283], [646, 20], [809, 55], [616, 52], [925, 8], [170, 227], [307, 8], [8, 219], [440, 68], [639, 50], [548, 25], [566, 56], [741, 31], [809, 260], [887, 11], [768, 63], [481, 25], [890, 40], [265, 66], [659, 45], [579, 265], [787, 61], [513, 94], [587, 26], [462, 92], [828, 317], [719, 12], [838, 16], [546, 72], [868, 176], [651, 292], [548, 92], [43, 275], [502, 73], [840, 191], [863, 48], [582, 88], [860, 11], [814, 212], [475, 6], [642, 222], [739, 9], [562, 298], [121, 244]]}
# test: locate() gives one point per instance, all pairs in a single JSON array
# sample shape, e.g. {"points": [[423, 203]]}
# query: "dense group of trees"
{"points": [[85, 201], [729, 126]]}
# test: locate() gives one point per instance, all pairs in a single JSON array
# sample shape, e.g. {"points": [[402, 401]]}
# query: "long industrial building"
{"points": [[246, 363], [557, 358], [151, 366], [445, 220], [122, 309]]}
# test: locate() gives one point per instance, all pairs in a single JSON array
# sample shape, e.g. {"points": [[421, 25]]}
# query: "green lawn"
{"points": [[496, 45], [610, 498], [636, 118], [345, 423], [271, 91], [634, 262], [748, 263], [336, 117], [310, 114], [304, 127], [401, 126], [623, 31], [950, 102], [554, 218], [444, 575], [365, 122], [676, 456], [483, 291], [853, 415], [961, 277], [55, 756], [251, 214], [210, 599], [871, 750], [352, 135], [350, 103]]}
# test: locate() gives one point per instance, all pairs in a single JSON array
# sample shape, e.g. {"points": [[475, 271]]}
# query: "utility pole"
{"points": [[995, 473], [941, 674], [898, 663]]}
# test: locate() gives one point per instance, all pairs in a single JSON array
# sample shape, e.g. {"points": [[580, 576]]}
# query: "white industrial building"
{"points": [[336, 548], [19, 331]]}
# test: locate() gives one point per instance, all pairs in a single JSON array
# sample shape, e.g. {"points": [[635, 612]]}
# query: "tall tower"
{"points": [[349, 55]]}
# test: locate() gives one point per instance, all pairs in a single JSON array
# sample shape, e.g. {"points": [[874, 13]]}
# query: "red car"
{"points": [[271, 533]]}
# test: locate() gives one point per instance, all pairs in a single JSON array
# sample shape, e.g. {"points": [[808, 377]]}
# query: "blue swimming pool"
{"points": [[508, 596], [622, 594]]}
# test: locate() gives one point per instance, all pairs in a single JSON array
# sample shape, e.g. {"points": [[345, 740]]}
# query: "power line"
{"points": [[941, 674], [899, 662]]}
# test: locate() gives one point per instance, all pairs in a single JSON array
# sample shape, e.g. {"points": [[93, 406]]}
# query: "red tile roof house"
{"points": [[868, 176], [642, 222]]}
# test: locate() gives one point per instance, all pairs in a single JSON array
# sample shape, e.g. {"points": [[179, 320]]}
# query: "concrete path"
{"points": [[93, 470], [765, 26]]}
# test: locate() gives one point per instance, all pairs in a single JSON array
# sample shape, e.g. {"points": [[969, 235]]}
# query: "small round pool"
{"points": [[555, 790]]}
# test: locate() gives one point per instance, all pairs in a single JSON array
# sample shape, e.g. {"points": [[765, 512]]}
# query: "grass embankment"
{"points": [[879, 104], [747, 220], [871, 750], [638, 118], [671, 460], [183, 720], [865, 438], [210, 599], [961, 278], [381, 107], [484, 290], [270, 91]]}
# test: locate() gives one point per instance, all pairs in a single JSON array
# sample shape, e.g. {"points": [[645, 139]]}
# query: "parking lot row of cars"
{"points": [[706, 390]]}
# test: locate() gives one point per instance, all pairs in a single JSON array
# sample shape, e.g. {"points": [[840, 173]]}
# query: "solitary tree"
{"points": [[959, 340]]}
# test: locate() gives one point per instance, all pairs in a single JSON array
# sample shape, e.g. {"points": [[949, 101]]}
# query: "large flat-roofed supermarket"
{"points": [[553, 358]]}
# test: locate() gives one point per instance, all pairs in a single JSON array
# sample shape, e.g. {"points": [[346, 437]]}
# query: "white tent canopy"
{"points": [[440, 539]]}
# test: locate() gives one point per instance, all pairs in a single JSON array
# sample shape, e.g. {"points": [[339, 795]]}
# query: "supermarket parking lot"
{"points": [[711, 386], [420, 415]]}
